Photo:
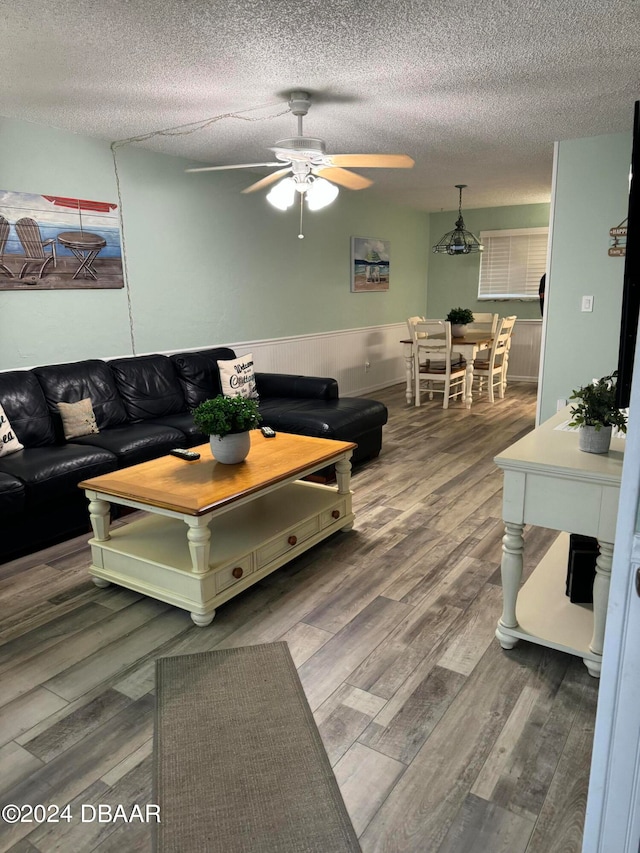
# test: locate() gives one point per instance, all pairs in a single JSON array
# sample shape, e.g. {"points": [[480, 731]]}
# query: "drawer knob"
{"points": [[335, 513], [292, 540], [237, 572]]}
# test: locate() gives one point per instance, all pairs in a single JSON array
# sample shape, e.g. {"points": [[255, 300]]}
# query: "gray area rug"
{"points": [[239, 766]]}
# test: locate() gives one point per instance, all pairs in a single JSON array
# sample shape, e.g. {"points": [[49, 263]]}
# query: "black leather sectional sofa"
{"points": [[143, 409]]}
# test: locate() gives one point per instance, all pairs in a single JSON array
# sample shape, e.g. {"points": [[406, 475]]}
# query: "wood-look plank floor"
{"points": [[441, 741]]}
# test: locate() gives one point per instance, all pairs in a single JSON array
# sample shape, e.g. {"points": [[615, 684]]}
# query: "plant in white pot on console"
{"points": [[227, 421], [459, 318], [596, 413]]}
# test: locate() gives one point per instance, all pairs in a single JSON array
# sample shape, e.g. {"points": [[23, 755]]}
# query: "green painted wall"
{"points": [[453, 281], [206, 264], [592, 189]]}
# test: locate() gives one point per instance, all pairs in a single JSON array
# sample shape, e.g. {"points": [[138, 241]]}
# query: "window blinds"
{"points": [[512, 263]]}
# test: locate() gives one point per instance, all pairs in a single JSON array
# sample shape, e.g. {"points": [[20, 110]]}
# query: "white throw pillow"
{"points": [[237, 377], [8, 441]]}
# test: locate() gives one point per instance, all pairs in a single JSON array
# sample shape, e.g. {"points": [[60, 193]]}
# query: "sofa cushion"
{"points": [[198, 373], [53, 472], [8, 442], [184, 423], [78, 380], [293, 385], [26, 408], [149, 386], [12, 494], [342, 419], [133, 443]]}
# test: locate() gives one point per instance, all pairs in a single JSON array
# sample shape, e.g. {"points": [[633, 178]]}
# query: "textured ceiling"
{"points": [[476, 93]]}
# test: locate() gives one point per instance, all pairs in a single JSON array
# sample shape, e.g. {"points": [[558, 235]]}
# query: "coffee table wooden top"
{"points": [[195, 488]]}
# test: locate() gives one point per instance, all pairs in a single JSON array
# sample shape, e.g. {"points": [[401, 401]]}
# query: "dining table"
{"points": [[468, 346]]}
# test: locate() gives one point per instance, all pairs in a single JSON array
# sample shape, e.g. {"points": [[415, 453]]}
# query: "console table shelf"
{"points": [[544, 612]]}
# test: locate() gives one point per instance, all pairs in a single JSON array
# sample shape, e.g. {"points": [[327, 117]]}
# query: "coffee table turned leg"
{"points": [[100, 515], [343, 476], [199, 536], [203, 619]]}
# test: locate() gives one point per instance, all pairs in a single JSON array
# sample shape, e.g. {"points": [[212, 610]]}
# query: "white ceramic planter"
{"points": [[592, 440], [231, 448], [458, 330]]}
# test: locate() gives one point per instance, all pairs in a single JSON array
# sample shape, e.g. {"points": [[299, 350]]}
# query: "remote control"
{"points": [[187, 455], [267, 432]]}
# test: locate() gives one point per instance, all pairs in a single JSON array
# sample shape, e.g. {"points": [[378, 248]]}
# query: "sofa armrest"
{"points": [[290, 385]]}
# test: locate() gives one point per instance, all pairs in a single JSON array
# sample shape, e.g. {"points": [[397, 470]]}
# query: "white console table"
{"points": [[549, 482]]}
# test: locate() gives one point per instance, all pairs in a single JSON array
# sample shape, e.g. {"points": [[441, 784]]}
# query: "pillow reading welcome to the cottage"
{"points": [[237, 377], [8, 441]]}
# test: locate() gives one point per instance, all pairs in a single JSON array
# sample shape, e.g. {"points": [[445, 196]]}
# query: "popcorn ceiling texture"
{"points": [[476, 93]]}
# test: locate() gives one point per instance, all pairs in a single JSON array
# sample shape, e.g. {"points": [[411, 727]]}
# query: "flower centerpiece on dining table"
{"points": [[459, 319]]}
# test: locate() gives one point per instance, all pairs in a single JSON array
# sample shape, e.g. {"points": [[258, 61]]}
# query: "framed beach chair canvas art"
{"points": [[370, 264], [53, 242]]}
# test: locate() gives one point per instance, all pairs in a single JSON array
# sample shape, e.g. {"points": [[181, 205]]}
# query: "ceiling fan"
{"points": [[312, 172]]}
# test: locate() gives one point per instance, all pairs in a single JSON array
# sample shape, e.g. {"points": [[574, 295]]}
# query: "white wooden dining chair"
{"points": [[411, 323], [494, 369], [484, 323], [433, 362]]}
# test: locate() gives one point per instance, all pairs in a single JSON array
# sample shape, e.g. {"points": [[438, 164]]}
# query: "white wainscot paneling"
{"points": [[343, 355], [363, 360], [524, 355]]}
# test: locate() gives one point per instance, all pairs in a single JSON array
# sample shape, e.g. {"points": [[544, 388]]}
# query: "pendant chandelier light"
{"points": [[459, 241]]}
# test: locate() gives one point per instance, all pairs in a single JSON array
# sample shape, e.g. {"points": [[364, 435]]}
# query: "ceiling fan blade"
{"points": [[373, 161], [222, 168], [343, 177], [264, 182]]}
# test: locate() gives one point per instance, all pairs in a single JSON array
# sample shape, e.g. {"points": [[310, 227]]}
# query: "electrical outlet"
{"points": [[587, 303], [367, 366], [560, 404]]}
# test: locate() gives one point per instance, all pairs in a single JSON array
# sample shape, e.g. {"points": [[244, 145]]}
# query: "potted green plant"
{"points": [[596, 413], [459, 318], [227, 421]]}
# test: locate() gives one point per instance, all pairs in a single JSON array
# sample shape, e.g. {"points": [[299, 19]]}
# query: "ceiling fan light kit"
{"points": [[459, 241], [321, 193], [308, 170]]}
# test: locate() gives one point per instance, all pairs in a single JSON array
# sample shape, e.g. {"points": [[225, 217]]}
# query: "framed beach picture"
{"points": [[370, 264], [52, 242]]}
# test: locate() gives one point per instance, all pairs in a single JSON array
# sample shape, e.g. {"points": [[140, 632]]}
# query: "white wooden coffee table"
{"points": [[212, 530]]}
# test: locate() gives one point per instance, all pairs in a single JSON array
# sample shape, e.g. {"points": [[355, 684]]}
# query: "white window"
{"points": [[513, 262]]}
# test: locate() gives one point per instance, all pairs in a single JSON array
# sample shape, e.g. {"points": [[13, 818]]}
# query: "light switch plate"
{"points": [[587, 303]]}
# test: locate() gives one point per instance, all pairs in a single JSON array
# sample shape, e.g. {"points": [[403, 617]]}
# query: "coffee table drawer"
{"points": [[287, 541], [330, 516], [232, 574]]}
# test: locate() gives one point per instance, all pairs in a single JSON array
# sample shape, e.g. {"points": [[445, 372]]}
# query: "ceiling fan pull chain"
{"points": [[300, 234]]}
